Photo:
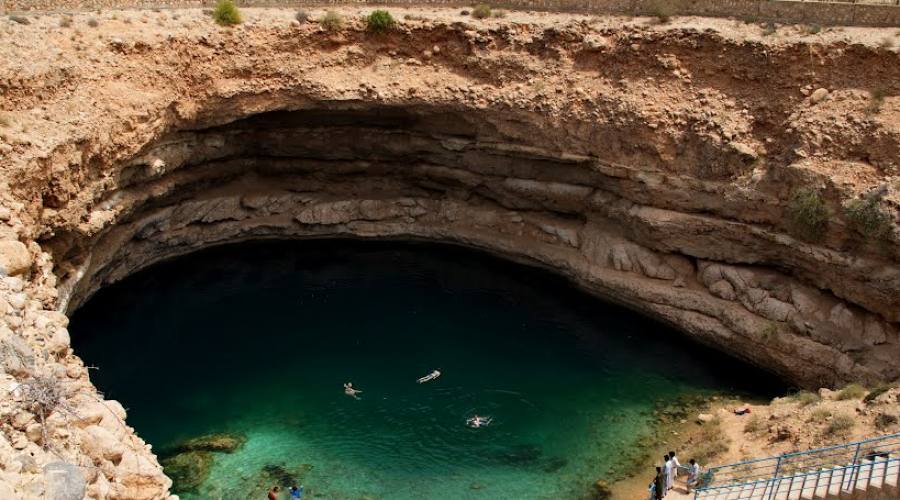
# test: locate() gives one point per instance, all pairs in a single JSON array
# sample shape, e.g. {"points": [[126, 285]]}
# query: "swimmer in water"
{"points": [[431, 376], [475, 421], [350, 391]]}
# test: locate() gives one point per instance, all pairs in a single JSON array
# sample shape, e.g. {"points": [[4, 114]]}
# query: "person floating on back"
{"points": [[431, 376], [273, 493], [476, 421], [350, 391], [296, 493]]}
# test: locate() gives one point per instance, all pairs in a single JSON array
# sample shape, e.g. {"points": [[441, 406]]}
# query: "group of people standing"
{"points": [[668, 471]]}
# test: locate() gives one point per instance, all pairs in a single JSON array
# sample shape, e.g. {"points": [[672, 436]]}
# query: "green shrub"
{"points": [[878, 391], [808, 214], [93, 23], [499, 14], [481, 11], [852, 391], [301, 16], [806, 398], [332, 21], [840, 426], [769, 29], [380, 21], [868, 218], [813, 29], [226, 13]]}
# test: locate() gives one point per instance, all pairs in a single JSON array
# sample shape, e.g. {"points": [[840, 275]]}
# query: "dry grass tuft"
{"points": [[711, 442], [852, 391]]}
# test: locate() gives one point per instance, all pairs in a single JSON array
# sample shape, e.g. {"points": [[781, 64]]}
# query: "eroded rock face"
{"points": [[652, 166], [442, 174]]}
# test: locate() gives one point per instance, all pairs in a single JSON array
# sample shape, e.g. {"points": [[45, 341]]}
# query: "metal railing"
{"points": [[764, 478]]}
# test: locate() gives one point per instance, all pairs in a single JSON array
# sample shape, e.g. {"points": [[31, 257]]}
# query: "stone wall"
{"points": [[823, 13]]}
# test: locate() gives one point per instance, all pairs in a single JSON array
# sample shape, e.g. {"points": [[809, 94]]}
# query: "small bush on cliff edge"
{"points": [[380, 21], [332, 21], [662, 11], [227, 13], [868, 218], [808, 214], [481, 11]]}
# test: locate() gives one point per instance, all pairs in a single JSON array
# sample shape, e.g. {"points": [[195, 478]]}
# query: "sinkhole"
{"points": [[231, 362]]}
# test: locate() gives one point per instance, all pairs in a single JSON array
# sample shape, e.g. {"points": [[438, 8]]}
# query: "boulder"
{"points": [[34, 432], [818, 95], [15, 259], [101, 443], [63, 481], [59, 342]]}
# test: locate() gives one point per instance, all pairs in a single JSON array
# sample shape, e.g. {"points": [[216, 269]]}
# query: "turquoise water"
{"points": [[258, 339]]}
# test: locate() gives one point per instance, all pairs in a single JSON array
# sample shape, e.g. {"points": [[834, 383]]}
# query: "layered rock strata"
{"points": [[654, 166]]}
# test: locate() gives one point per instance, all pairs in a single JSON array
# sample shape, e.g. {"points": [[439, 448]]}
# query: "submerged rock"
{"points": [[219, 442], [601, 491], [554, 464], [187, 470], [523, 454], [279, 474]]}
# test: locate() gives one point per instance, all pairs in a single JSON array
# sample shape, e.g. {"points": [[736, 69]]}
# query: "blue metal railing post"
{"points": [[775, 478], [854, 472]]}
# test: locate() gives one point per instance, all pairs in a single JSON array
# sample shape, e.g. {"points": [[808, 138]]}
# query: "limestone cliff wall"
{"points": [[652, 165]]}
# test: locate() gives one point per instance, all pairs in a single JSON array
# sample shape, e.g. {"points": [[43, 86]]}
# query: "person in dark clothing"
{"points": [[296, 493], [660, 482]]}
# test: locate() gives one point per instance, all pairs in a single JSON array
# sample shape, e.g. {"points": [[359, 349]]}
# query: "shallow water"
{"points": [[258, 339]]}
